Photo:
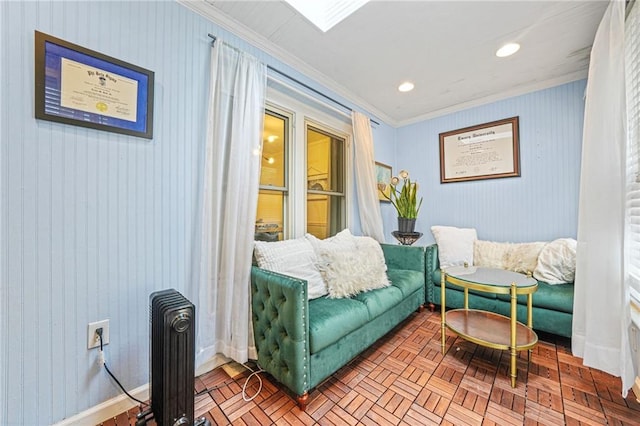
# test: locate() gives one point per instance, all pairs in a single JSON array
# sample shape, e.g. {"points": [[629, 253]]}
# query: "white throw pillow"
{"points": [[349, 272], [343, 240], [517, 257], [370, 248], [295, 258], [557, 262], [523, 257], [489, 254], [455, 245]]}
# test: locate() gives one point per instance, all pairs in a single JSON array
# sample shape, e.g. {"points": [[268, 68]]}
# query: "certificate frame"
{"points": [[78, 86], [383, 176], [485, 151]]}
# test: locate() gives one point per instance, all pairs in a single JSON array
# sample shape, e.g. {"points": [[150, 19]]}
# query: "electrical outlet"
{"points": [[93, 340]]}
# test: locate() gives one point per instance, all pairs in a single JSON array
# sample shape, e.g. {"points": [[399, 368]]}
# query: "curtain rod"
{"points": [[306, 86]]}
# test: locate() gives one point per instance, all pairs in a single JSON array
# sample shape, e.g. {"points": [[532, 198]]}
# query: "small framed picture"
{"points": [[383, 181]]}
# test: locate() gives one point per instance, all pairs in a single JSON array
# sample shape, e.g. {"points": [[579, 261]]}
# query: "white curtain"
{"points": [[368, 203], [599, 327], [219, 286]]}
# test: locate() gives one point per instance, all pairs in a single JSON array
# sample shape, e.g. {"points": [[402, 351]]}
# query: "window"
{"points": [[325, 183], [632, 65], [273, 182], [305, 169]]}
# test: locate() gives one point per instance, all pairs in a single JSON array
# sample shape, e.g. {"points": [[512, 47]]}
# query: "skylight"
{"points": [[324, 14]]}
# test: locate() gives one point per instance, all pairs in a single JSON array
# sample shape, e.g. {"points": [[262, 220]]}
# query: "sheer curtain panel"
{"points": [[370, 216], [632, 66], [220, 286], [602, 339]]}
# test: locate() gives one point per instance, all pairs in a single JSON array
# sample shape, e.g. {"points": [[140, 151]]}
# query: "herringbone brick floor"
{"points": [[405, 380]]}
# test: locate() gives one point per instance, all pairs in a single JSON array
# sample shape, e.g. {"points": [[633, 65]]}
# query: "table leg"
{"points": [[442, 310], [514, 319], [530, 318]]}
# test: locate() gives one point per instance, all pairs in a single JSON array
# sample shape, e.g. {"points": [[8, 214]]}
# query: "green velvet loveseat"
{"points": [[302, 342], [552, 304]]}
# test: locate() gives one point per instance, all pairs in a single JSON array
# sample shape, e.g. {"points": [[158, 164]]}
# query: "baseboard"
{"points": [[108, 409], [636, 388], [121, 403]]}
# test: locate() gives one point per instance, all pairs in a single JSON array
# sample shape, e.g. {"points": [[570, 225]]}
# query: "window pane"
{"points": [[273, 150], [270, 217], [325, 215], [325, 183], [325, 161]]}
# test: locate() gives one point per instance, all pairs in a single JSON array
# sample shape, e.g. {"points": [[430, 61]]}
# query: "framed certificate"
{"points": [[486, 151], [78, 86]]}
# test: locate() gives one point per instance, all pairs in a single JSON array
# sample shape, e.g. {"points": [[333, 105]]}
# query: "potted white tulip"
{"points": [[404, 197]]}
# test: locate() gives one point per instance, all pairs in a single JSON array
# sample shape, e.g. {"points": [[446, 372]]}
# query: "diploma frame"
{"points": [[485, 151], [383, 176], [130, 115]]}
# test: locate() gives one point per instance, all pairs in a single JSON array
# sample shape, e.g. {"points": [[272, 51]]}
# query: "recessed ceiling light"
{"points": [[271, 138], [508, 50], [407, 86]]}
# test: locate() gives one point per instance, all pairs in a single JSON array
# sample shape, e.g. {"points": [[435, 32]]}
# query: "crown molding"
{"points": [[212, 14]]}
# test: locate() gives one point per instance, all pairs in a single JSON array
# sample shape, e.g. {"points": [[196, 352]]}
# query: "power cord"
{"points": [[255, 373], [244, 386], [103, 362]]}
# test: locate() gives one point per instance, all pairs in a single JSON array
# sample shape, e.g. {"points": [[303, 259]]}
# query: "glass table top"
{"points": [[490, 276]]}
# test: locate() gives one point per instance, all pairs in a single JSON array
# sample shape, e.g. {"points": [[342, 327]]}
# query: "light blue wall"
{"points": [[540, 205], [92, 222], [386, 153]]}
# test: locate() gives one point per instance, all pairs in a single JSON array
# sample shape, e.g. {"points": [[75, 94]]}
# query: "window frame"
{"points": [[305, 112]]}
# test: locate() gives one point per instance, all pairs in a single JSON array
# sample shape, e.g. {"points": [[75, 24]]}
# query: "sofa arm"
{"points": [[281, 326], [432, 264], [404, 257]]}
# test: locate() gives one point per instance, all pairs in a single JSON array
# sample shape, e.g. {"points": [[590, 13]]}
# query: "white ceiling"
{"points": [[447, 48]]}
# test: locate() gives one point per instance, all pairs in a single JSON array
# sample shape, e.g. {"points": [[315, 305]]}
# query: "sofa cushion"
{"points": [[331, 319], [381, 300], [557, 297], [407, 281]]}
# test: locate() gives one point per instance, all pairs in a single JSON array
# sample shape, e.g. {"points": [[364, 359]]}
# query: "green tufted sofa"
{"points": [[301, 343], [552, 304]]}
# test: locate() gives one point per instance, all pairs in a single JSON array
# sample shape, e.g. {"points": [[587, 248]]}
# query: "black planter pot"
{"points": [[406, 225]]}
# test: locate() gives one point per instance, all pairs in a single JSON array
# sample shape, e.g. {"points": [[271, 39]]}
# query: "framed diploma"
{"points": [[78, 86], [486, 151]]}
